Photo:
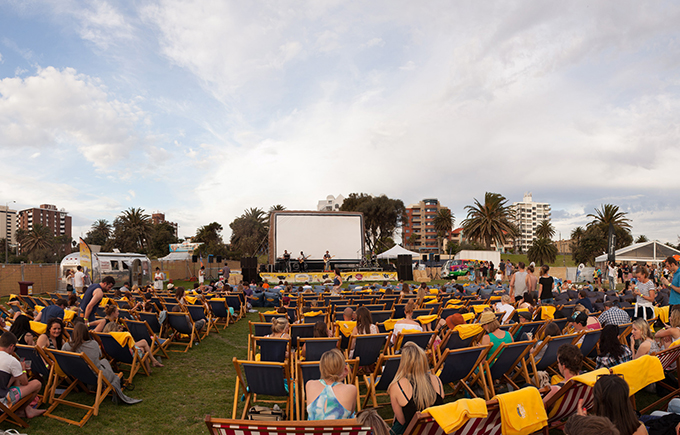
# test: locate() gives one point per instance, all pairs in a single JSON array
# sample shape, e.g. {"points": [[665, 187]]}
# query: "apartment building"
{"points": [[418, 229], [8, 224], [47, 215], [527, 215]]}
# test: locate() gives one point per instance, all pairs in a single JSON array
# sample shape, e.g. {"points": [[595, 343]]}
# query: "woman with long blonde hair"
{"points": [[414, 388], [641, 331], [330, 398]]}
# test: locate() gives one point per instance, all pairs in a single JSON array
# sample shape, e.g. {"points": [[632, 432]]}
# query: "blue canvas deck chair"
{"points": [[197, 312], [271, 349], [505, 361], [141, 330], [220, 311], [235, 301], [263, 379], [367, 348], [119, 354], [457, 368], [301, 330], [453, 341], [381, 316], [381, 378], [547, 362], [185, 333], [589, 340], [309, 371], [83, 373], [8, 412], [37, 357], [152, 320], [315, 347]]}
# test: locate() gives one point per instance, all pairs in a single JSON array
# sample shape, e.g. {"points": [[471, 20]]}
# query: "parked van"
{"points": [[131, 267], [455, 268]]}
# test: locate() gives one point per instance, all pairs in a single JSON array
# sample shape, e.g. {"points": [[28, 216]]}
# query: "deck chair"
{"points": [[219, 426], [368, 348], [565, 403], [37, 357], [300, 330], [452, 341], [669, 361], [624, 332], [272, 349], [504, 362], [549, 358], [257, 329], [457, 367], [267, 318], [185, 331], [82, 372], [265, 379], [529, 327], [141, 330], [235, 302], [309, 370], [197, 312], [315, 347], [381, 378], [220, 312], [120, 354], [589, 345], [8, 413], [424, 424], [151, 319], [381, 316], [313, 319], [422, 339], [125, 314]]}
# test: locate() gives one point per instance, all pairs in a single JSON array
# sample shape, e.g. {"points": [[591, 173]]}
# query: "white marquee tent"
{"points": [[397, 250], [647, 252]]}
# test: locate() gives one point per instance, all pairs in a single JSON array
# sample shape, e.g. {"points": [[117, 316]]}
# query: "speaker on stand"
{"points": [[249, 269], [404, 267]]}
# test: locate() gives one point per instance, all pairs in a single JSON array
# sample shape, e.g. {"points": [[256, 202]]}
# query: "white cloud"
{"points": [[35, 155], [60, 108], [102, 24], [132, 193]]}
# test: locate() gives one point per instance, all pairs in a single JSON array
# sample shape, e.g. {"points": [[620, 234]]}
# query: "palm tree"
{"points": [[37, 239], [641, 239], [137, 225], [542, 251], [577, 233], [443, 224], [545, 230], [610, 214], [489, 222]]}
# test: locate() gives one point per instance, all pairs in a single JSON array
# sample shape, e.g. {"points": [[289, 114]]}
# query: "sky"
{"points": [[202, 109]]}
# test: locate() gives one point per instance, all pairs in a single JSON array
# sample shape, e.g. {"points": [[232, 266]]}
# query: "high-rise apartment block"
{"points": [[47, 215], [8, 224], [527, 215], [419, 233]]}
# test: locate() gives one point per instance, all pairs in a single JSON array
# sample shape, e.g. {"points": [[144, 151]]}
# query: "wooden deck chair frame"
{"points": [[256, 341], [209, 319], [145, 316], [401, 336], [251, 397], [623, 335], [220, 320], [324, 340], [381, 350], [374, 378], [176, 337], [464, 381], [156, 345], [667, 358], [518, 367], [221, 426], [546, 343], [588, 335], [111, 346], [38, 357], [9, 413], [300, 382], [455, 335], [424, 424], [104, 387]]}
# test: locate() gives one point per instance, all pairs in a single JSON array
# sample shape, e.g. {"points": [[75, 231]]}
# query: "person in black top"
{"points": [[286, 260], [546, 282], [93, 295]]}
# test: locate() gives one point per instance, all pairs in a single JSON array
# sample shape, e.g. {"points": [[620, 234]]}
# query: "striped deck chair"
{"points": [[549, 358], [121, 355], [565, 403], [185, 331], [381, 378], [82, 372], [264, 379], [589, 346], [505, 361], [219, 426], [669, 361], [424, 424], [220, 312], [457, 367], [141, 330], [37, 357]]}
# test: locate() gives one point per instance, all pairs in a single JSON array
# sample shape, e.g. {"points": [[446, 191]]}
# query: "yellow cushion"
{"points": [[313, 313], [38, 308], [219, 299], [389, 324], [38, 327], [454, 415], [123, 338], [662, 313], [191, 299], [640, 372], [468, 316], [427, 319], [547, 312], [468, 330], [590, 378], [69, 315], [479, 308], [272, 312], [104, 302], [522, 412], [453, 302], [434, 291]]}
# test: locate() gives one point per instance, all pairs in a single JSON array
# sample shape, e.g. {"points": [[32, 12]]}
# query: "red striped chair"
{"points": [[566, 402], [491, 425], [668, 358], [223, 426]]}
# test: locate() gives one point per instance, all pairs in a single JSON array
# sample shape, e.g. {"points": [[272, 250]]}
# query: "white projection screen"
{"points": [[314, 233]]}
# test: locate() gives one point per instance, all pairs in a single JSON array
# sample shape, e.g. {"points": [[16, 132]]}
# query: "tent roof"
{"points": [[176, 256], [395, 251], [643, 252]]}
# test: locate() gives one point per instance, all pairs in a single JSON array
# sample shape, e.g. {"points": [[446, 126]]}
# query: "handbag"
{"points": [[263, 413]]}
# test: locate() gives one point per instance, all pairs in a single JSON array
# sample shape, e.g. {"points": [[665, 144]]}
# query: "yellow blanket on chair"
{"points": [[468, 316], [389, 324], [452, 416], [547, 312], [466, 331], [424, 320], [640, 372], [662, 313], [345, 327], [479, 308], [522, 412]]}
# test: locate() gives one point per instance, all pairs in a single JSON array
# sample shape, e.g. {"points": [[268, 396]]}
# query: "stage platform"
{"points": [[320, 277]]}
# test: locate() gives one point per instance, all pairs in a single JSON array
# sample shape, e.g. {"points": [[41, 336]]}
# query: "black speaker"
{"points": [[194, 258], [249, 269], [219, 258], [211, 258], [404, 259], [424, 257], [405, 272]]}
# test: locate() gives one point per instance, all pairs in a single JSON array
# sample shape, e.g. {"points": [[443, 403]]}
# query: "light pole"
{"points": [[7, 241]]}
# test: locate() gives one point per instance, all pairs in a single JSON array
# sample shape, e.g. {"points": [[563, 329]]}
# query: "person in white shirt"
{"points": [[505, 306], [79, 280], [201, 275], [19, 386], [158, 279], [611, 276]]}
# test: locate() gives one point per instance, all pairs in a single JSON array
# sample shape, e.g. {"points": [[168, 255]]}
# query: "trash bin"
{"points": [[25, 288]]}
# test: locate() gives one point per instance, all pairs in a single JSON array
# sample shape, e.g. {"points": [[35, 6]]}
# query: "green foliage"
{"points": [[162, 235], [642, 239], [131, 232], [542, 251], [382, 216], [593, 242], [489, 222], [249, 233], [99, 233], [443, 224], [609, 214], [211, 239], [545, 229]]}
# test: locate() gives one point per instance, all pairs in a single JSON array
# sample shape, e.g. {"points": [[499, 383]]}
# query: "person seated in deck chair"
{"points": [[51, 311], [200, 324], [141, 346], [329, 398], [569, 363], [19, 386]]}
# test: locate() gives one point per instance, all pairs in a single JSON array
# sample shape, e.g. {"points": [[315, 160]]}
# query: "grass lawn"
{"points": [[177, 397], [560, 260]]}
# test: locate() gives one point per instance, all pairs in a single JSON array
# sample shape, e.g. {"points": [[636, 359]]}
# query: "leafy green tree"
{"points": [[443, 224], [593, 242], [211, 237], [99, 233], [610, 214], [576, 234], [162, 235], [545, 230], [37, 244], [382, 216], [131, 232], [489, 222], [641, 239], [542, 251], [249, 233]]}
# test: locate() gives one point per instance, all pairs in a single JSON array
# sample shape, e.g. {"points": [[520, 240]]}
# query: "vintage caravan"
{"points": [[131, 267]]}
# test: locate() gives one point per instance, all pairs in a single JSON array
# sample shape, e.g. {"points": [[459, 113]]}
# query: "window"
{"points": [[114, 264]]}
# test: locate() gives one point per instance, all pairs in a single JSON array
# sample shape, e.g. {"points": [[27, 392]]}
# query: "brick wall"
{"points": [[43, 276]]}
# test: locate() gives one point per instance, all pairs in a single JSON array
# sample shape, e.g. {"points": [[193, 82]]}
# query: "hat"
{"points": [[486, 318], [454, 320], [171, 286], [580, 317], [286, 300]]}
